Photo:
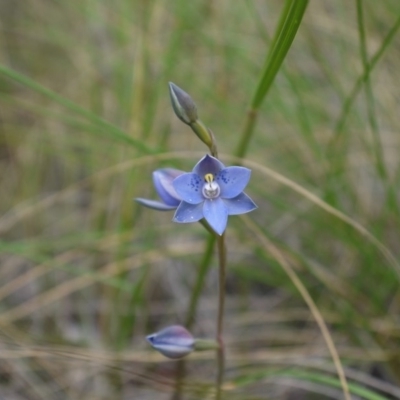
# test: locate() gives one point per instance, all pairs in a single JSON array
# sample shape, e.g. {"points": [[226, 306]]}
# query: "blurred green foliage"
{"points": [[85, 273]]}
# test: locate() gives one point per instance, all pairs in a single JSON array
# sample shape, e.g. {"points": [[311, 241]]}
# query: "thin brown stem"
{"points": [[220, 316], [191, 311]]}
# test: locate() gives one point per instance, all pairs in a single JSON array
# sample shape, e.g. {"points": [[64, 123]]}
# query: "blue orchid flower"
{"points": [[212, 191], [162, 179], [173, 342]]}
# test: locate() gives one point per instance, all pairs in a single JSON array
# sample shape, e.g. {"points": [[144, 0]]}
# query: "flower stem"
{"points": [[201, 275], [191, 311], [220, 316], [250, 122]]}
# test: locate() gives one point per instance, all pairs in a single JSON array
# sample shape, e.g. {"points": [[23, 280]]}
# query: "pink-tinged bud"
{"points": [[173, 342]]}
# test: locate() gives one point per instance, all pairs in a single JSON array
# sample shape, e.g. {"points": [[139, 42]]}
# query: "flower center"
{"points": [[211, 188]]}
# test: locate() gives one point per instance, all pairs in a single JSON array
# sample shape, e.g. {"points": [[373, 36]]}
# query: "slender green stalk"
{"points": [[290, 21], [335, 145], [247, 133], [377, 148], [220, 316], [285, 33], [358, 84], [191, 310], [377, 145], [201, 275]]}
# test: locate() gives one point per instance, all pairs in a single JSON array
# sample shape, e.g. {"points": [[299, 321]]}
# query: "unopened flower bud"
{"points": [[183, 105], [173, 342], [186, 111]]}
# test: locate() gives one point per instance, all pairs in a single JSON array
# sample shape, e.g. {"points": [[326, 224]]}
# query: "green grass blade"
{"points": [[289, 23], [377, 145], [337, 144], [108, 128], [339, 127], [310, 376]]}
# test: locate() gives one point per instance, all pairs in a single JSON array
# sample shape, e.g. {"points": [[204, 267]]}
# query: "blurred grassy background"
{"points": [[86, 274]]}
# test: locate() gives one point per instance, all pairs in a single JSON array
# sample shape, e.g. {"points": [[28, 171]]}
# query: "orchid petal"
{"points": [[240, 204], [155, 205], [162, 179], [187, 212], [189, 188], [216, 214], [208, 165], [232, 181]]}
